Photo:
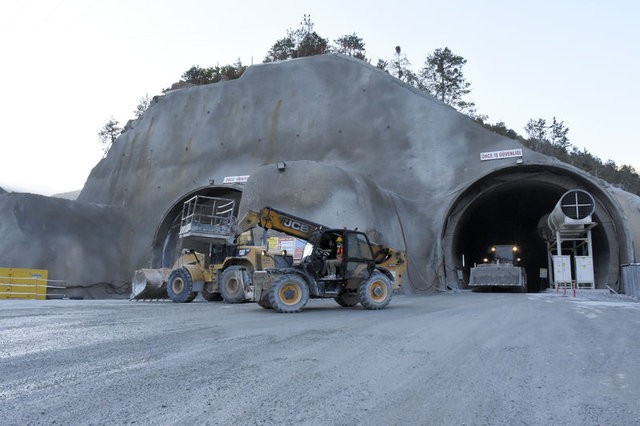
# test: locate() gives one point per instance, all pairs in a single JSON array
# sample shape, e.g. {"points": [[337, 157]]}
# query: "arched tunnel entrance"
{"points": [[505, 207], [166, 242]]}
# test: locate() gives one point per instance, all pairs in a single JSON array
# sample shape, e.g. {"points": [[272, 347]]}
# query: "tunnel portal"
{"points": [[505, 209]]}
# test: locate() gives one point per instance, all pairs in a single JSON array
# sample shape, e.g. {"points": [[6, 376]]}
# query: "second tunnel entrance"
{"points": [[505, 208]]}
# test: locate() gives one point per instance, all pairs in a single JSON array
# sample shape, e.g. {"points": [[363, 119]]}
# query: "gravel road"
{"points": [[458, 358]]}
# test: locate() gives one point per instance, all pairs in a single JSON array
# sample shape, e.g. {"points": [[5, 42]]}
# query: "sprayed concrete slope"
{"points": [[78, 242], [361, 148]]}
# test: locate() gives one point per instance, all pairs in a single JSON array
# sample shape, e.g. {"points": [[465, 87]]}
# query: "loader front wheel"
{"points": [[231, 286], [375, 292], [288, 294], [348, 299], [180, 286]]}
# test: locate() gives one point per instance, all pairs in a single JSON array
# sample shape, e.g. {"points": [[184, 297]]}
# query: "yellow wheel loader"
{"points": [[224, 273], [500, 269]]}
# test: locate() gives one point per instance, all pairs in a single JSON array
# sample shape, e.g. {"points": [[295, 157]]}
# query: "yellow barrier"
{"points": [[17, 283]]}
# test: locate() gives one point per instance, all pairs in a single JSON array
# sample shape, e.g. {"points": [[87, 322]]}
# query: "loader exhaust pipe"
{"points": [[149, 284]]}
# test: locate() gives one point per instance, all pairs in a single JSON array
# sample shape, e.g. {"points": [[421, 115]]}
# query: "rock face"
{"points": [[361, 150], [77, 242]]}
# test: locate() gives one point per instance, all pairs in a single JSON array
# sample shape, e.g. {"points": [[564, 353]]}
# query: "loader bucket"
{"points": [[497, 275], [150, 284]]}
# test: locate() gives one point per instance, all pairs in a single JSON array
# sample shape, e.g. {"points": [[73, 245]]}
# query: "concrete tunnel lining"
{"points": [[166, 244], [504, 207]]}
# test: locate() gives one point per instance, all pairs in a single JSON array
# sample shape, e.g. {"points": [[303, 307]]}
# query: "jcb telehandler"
{"points": [[368, 273]]}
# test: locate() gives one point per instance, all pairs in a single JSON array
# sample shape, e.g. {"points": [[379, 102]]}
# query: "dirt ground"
{"points": [[456, 358]]}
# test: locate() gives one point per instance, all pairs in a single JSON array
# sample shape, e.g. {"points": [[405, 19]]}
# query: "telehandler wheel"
{"points": [[208, 294], [375, 292], [288, 294], [231, 288], [180, 285], [348, 299]]}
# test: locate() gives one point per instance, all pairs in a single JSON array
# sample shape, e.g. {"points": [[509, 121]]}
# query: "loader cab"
{"points": [[504, 254]]}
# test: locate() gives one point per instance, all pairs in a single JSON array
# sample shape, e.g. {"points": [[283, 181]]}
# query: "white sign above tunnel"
{"points": [[235, 179], [499, 155]]}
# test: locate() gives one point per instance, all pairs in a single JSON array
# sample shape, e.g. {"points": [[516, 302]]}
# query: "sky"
{"points": [[68, 66]]}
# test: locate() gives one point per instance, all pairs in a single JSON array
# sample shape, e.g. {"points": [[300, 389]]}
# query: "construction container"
{"points": [[631, 279], [18, 283]]}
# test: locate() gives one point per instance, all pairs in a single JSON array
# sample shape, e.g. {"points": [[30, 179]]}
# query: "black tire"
{"points": [[231, 289], [208, 295], [288, 294], [348, 299], [180, 286], [375, 292], [264, 302]]}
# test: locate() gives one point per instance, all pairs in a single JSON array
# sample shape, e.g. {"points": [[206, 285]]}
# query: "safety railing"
{"points": [[207, 217]]}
